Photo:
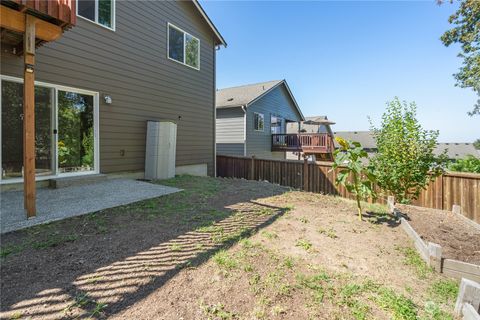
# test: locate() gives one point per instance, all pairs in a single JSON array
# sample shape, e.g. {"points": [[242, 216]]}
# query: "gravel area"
{"points": [[57, 204]]}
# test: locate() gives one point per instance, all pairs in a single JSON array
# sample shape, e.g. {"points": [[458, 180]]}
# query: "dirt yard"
{"points": [[459, 239], [222, 249]]}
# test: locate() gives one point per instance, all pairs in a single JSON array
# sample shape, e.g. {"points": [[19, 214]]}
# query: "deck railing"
{"points": [[304, 142]]}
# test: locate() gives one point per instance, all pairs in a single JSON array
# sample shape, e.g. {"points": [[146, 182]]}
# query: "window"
{"points": [[277, 124], [258, 121], [183, 47], [98, 11]]}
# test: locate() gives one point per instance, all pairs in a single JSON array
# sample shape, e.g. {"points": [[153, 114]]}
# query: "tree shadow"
{"points": [[102, 273], [381, 219]]}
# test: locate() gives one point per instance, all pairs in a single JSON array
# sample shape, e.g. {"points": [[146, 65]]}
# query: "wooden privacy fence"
{"points": [[450, 189]]}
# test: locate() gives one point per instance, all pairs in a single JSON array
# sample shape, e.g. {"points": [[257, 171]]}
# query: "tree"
{"points": [[468, 164], [405, 162], [466, 32], [349, 159], [476, 144]]}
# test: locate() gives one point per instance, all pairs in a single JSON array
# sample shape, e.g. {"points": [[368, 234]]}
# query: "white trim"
{"points": [[184, 46], [263, 117], [96, 130], [244, 108], [112, 28]]}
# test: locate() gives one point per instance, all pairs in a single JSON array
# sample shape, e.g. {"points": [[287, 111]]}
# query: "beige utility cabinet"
{"points": [[161, 148]]}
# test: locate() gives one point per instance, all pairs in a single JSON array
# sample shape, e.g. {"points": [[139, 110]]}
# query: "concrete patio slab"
{"points": [[57, 204]]}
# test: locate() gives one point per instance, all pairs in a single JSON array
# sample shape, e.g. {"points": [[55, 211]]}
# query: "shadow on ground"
{"points": [[100, 264]]}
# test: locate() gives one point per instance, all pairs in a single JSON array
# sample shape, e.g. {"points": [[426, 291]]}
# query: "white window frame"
{"points": [[254, 120], [96, 130], [184, 46], [112, 28]]}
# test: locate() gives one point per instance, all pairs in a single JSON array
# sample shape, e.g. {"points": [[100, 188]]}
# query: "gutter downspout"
{"points": [[244, 108]]}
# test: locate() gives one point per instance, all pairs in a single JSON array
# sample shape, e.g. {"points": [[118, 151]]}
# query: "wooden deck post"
{"points": [[305, 173], [29, 117]]}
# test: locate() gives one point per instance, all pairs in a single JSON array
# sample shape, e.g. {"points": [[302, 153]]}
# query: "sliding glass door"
{"points": [[65, 130], [12, 130], [75, 132]]}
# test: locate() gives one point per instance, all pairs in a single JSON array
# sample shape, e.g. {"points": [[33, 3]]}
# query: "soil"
{"points": [[458, 238], [179, 257]]}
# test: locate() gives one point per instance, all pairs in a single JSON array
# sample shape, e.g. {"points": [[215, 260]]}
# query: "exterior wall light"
{"points": [[108, 99]]}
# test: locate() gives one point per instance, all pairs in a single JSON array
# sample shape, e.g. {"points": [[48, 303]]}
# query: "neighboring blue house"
{"points": [[251, 117]]}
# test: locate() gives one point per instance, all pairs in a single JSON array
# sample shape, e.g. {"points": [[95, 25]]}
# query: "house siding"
{"points": [[276, 102], [230, 131], [131, 66]]}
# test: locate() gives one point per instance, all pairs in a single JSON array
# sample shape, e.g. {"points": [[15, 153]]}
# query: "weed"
{"points": [[224, 260], [54, 240], [435, 313], [10, 249], [175, 247], [270, 235], [218, 311], [304, 220], [444, 290], [278, 310], [305, 244], [400, 307], [329, 233], [16, 315], [288, 263]]}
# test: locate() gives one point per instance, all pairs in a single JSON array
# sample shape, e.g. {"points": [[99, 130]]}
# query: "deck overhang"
{"points": [[306, 143], [25, 25]]}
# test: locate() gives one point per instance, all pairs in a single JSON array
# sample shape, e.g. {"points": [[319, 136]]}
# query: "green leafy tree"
{"points": [[405, 162], [476, 144], [466, 32], [357, 178], [468, 164]]}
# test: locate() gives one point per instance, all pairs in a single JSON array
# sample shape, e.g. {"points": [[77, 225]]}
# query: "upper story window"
{"points": [[258, 121], [183, 47], [277, 124], [98, 11]]}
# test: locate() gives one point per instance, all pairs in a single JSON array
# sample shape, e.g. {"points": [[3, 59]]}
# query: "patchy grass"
{"points": [[399, 306], [217, 311], [413, 259], [224, 260], [444, 290]]}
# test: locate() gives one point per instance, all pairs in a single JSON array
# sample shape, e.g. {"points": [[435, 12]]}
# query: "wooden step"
{"points": [[64, 182]]}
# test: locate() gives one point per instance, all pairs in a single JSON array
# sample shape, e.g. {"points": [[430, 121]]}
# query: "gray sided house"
{"points": [[123, 64], [249, 116]]}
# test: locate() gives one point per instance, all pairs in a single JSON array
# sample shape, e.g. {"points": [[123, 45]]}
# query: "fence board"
{"points": [[462, 189]]}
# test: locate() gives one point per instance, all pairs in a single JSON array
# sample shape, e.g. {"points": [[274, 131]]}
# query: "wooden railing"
{"points": [[445, 191], [304, 142]]}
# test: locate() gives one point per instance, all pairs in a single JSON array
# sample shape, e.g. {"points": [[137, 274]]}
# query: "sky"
{"points": [[347, 59]]}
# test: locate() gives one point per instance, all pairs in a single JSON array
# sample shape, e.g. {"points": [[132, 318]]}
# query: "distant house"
{"points": [[249, 117], [455, 150]]}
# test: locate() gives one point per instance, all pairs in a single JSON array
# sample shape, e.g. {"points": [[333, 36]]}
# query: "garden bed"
{"points": [[458, 238]]}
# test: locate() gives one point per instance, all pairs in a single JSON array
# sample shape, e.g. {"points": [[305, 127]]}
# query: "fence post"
{"points": [[456, 209], [252, 168], [469, 292], [305, 173]]}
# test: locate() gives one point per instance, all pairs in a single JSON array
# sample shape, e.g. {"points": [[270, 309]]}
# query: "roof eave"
{"points": [[220, 39]]}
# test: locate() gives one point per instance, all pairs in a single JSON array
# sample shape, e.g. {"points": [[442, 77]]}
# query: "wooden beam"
{"points": [[29, 116], [14, 20]]}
